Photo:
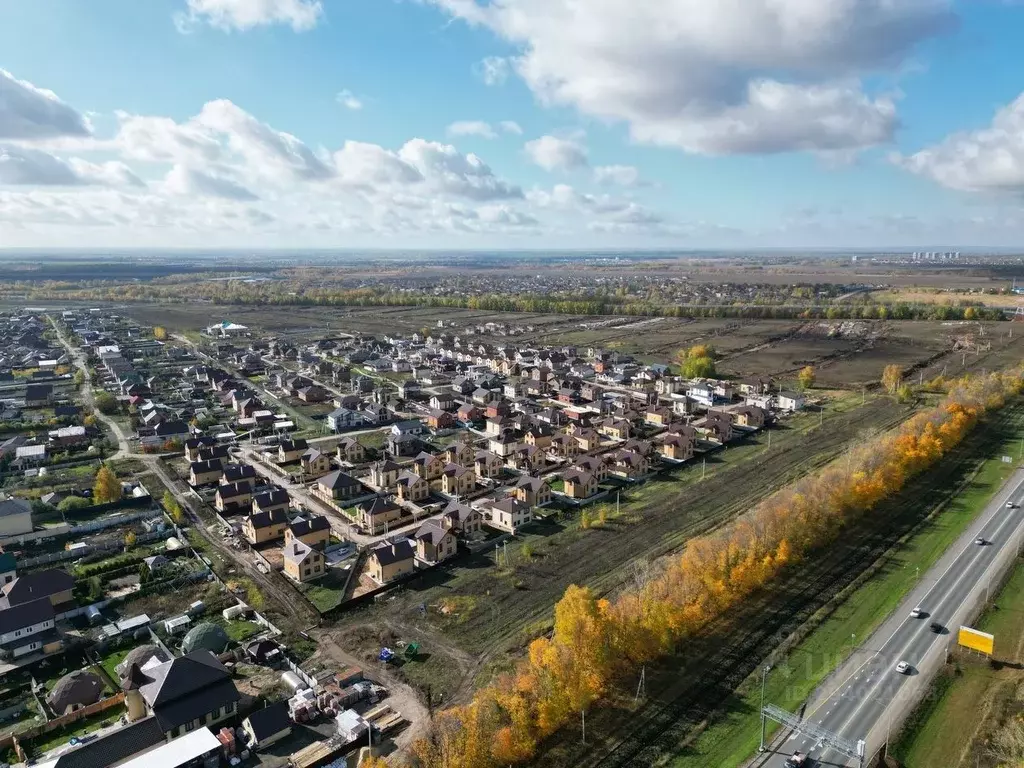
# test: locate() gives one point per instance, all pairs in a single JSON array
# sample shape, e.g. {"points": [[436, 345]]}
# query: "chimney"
{"points": [[394, 549]]}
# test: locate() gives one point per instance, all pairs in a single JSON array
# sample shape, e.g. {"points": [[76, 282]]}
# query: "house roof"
{"points": [[116, 747], [336, 480], [532, 483], [186, 688], [25, 615], [235, 472], [78, 688], [266, 519], [510, 505], [269, 721], [312, 524], [432, 531], [377, 506], [9, 507], [271, 498], [298, 552], [231, 490], [32, 586], [388, 552]]}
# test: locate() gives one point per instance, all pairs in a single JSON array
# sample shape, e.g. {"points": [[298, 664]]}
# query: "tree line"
{"points": [[596, 641]]}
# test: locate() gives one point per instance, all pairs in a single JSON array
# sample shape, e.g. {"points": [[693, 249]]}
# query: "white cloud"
{"points": [[552, 153], [29, 113], [227, 15], [472, 128], [349, 100], [511, 126], [182, 180], [990, 159], [732, 76], [622, 175], [26, 166], [445, 168], [493, 70]]}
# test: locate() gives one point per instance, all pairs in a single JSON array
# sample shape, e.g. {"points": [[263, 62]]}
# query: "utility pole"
{"points": [[583, 716], [764, 675], [703, 467]]}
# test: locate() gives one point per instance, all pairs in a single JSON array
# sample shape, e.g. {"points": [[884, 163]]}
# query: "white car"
{"points": [[980, 541], [917, 613], [903, 668], [1010, 505]]}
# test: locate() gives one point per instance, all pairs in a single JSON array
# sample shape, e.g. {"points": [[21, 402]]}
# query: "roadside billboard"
{"points": [[976, 641]]}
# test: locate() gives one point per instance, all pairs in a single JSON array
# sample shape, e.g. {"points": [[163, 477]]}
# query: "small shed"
{"points": [[177, 625], [205, 636], [267, 726]]}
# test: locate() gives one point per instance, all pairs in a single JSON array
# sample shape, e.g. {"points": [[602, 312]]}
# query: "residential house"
{"points": [[526, 458], [313, 394], [53, 584], [718, 425], [344, 418], [539, 436], [564, 447], [620, 429], [313, 531], [586, 439], [750, 416], [232, 497], [487, 464], [30, 456], [434, 542], [28, 628], [351, 451], [679, 443], [658, 416], [595, 465], [315, 463], [412, 487], [410, 427], [462, 518], [38, 395], [457, 480], [195, 444], [212, 452], [579, 484], [183, 694], [378, 515], [629, 464], [390, 560], [468, 414], [403, 445], [205, 472], [302, 563], [428, 466], [273, 499], [240, 474], [504, 444], [384, 474], [443, 401], [440, 420], [532, 490], [263, 526], [790, 401], [509, 514], [460, 453], [291, 450], [758, 385], [265, 727], [337, 487], [15, 517]]}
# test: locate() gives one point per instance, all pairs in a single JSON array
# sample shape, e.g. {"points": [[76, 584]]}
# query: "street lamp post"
{"points": [[764, 674]]}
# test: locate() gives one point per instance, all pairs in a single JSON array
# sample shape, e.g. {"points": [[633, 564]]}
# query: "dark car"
{"points": [[936, 627]]}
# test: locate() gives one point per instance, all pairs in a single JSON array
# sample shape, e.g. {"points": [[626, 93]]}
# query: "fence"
{"points": [[91, 549], [16, 740]]}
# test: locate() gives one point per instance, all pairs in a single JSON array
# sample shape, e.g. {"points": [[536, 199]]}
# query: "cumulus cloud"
{"points": [[622, 175], [29, 113], [182, 180], [511, 126], [349, 100], [26, 166], [728, 77], [554, 154], [450, 171], [493, 70], [990, 159], [472, 128], [227, 15]]}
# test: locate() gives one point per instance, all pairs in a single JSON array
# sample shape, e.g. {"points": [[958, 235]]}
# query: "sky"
{"points": [[519, 124]]}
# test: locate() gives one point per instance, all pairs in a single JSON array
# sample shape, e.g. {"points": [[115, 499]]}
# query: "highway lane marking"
{"points": [[855, 674], [871, 695]]}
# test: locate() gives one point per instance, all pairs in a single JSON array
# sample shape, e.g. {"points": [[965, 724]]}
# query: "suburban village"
{"points": [[159, 490]]}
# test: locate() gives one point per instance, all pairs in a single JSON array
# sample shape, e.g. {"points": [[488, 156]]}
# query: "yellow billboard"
{"points": [[977, 641]]}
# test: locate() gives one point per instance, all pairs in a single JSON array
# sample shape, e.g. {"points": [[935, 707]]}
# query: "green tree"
{"points": [[106, 403], [79, 378], [71, 503]]}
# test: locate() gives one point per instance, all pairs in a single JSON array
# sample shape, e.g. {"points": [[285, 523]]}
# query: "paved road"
{"points": [[867, 691], [88, 396]]}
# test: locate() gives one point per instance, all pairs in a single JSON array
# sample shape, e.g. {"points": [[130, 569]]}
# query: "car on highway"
{"points": [[981, 541], [903, 668], [917, 613], [936, 627], [797, 760], [1010, 505]]}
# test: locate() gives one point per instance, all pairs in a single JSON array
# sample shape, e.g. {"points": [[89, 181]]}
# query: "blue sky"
{"points": [[511, 123]]}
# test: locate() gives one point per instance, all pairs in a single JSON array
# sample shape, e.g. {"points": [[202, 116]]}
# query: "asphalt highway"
{"points": [[858, 700]]}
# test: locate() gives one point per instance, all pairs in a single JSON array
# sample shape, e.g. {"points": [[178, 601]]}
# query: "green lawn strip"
{"points": [[942, 727], [734, 737], [110, 662], [79, 728]]}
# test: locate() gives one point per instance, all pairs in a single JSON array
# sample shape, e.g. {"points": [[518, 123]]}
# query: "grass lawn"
{"points": [[328, 592], [84, 726], [733, 738], [240, 630], [972, 696], [110, 662]]}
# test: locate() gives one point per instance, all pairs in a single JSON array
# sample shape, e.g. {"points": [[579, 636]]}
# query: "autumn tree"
{"points": [[130, 539], [174, 510], [696, 362], [107, 487], [807, 377], [892, 377], [160, 333]]}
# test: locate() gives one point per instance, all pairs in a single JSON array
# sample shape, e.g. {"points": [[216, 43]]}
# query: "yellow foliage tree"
{"points": [[892, 377], [160, 333], [807, 377], [107, 487]]}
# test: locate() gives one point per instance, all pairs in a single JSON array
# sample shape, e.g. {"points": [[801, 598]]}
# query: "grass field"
{"points": [[733, 739], [972, 697]]}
